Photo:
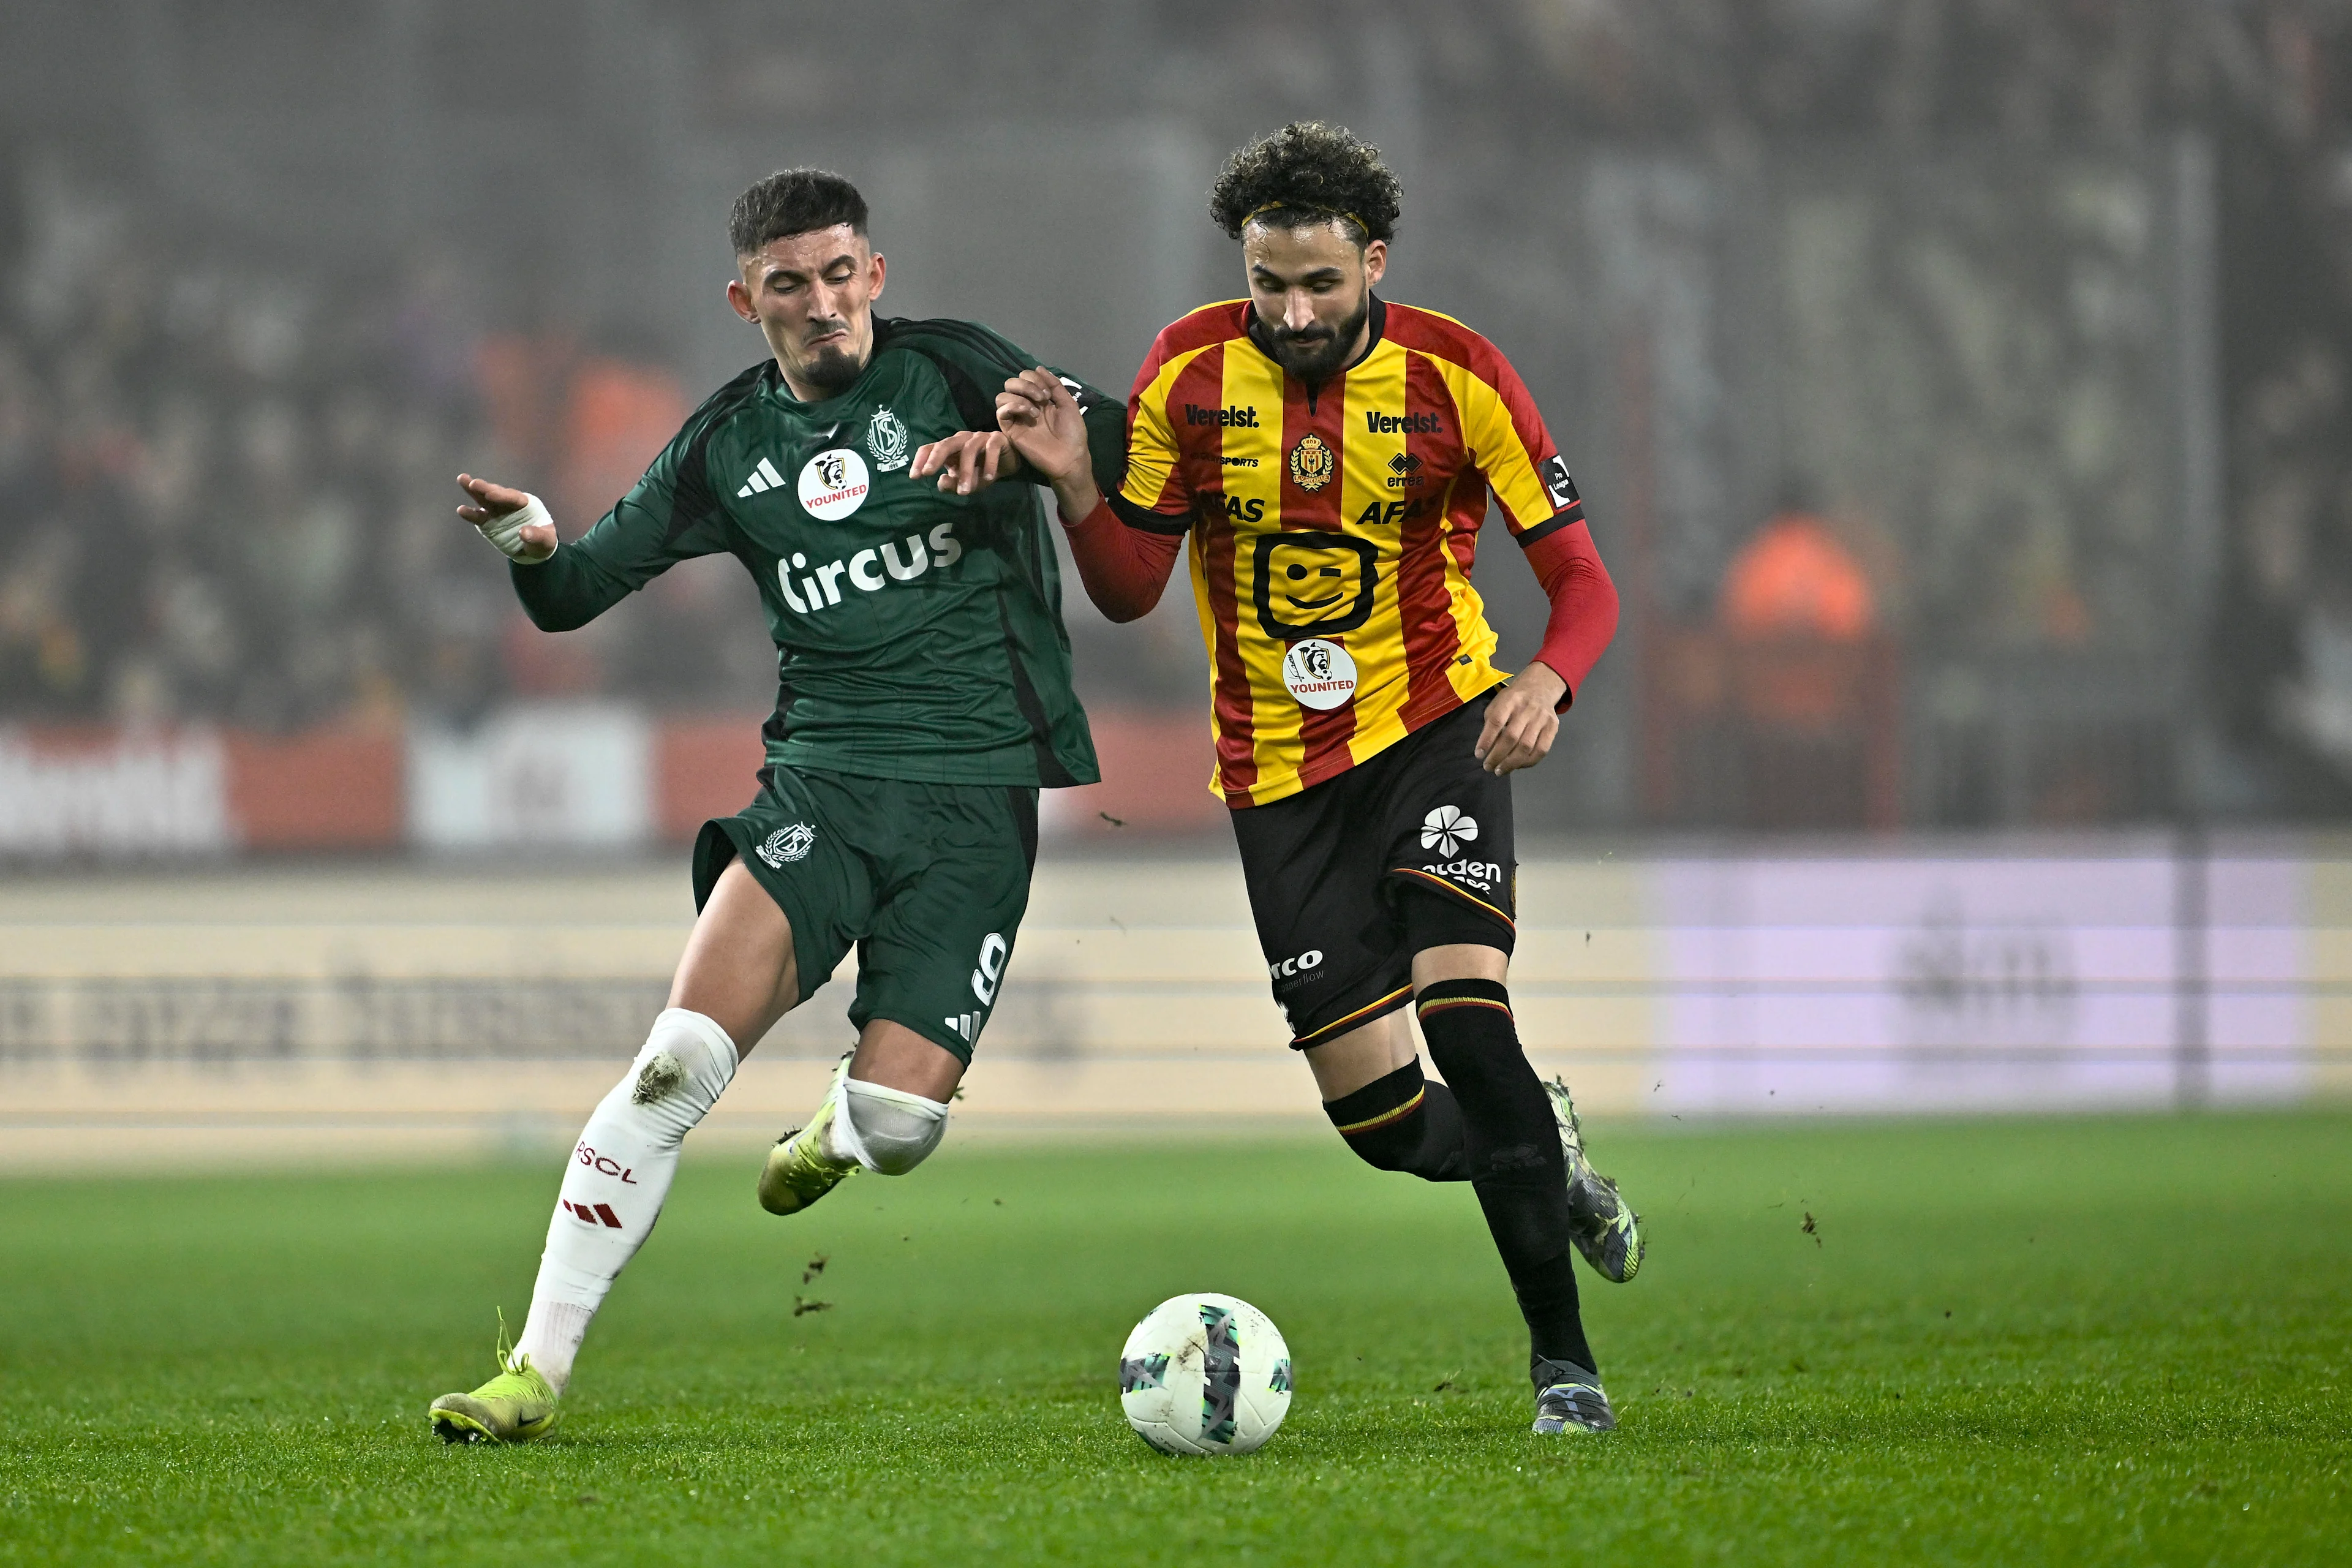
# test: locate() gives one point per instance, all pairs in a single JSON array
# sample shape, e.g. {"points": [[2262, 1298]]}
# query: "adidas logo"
{"points": [[591, 1214], [964, 1024], [763, 478]]}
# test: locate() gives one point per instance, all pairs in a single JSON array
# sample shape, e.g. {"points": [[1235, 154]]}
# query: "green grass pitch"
{"points": [[2001, 1341]]}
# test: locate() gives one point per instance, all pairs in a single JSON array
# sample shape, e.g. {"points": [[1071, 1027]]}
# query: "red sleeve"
{"points": [[1583, 604], [1125, 568]]}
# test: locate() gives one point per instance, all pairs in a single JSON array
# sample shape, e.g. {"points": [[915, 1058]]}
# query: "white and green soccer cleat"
{"points": [[516, 1406], [1607, 1230], [798, 1170]]}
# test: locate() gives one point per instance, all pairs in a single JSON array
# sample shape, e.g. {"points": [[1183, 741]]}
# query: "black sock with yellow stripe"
{"points": [[1511, 1147], [1404, 1122]]}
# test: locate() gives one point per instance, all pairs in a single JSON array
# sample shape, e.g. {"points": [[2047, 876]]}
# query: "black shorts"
{"points": [[1325, 868]]}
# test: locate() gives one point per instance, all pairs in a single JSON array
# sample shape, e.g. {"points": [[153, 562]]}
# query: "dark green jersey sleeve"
{"points": [[977, 362], [669, 515]]}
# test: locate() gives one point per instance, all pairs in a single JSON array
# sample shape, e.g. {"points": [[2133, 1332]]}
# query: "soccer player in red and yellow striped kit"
{"points": [[1329, 458]]}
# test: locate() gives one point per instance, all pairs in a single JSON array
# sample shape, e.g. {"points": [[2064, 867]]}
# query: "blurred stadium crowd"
{"points": [[225, 463], [225, 487]]}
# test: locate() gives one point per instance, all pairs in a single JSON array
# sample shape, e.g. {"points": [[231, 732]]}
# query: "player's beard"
{"points": [[832, 370], [1316, 354]]}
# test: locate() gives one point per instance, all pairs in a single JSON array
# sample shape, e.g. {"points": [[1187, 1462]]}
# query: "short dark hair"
{"points": [[1308, 172], [790, 202]]}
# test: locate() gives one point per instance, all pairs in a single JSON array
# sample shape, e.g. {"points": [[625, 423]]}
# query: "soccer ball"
{"points": [[1204, 1374]]}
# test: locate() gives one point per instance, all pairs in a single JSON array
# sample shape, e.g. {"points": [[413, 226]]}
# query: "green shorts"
{"points": [[930, 881]]}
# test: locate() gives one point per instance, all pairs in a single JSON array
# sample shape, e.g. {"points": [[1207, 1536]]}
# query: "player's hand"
{"points": [[490, 502], [1037, 412], [1522, 722], [968, 460]]}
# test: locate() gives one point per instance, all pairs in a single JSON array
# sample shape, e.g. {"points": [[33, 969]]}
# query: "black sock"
{"points": [[1514, 1156], [1404, 1122]]}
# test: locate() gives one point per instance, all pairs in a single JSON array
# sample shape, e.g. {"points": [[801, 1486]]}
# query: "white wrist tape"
{"points": [[506, 532]]}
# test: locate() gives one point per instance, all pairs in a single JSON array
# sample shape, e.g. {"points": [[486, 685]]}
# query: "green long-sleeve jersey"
{"points": [[918, 635]]}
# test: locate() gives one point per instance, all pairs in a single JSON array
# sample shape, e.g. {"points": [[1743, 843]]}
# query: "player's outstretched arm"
{"points": [[512, 520]]}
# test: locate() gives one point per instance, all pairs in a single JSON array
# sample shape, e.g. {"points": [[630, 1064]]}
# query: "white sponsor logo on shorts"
{"points": [[1480, 874], [786, 844], [1300, 965], [1445, 831]]}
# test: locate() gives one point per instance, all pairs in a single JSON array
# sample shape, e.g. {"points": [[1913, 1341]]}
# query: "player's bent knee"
{"points": [[1378, 1120], [891, 1130]]}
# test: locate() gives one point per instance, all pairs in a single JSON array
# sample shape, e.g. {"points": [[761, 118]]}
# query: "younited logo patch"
{"points": [[1319, 674], [833, 484], [1445, 831], [786, 844]]}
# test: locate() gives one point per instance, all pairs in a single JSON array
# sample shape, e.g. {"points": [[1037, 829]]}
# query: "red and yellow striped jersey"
{"points": [[1332, 535]]}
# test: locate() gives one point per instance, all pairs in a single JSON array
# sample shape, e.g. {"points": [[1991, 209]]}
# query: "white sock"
{"points": [[887, 1131], [618, 1175]]}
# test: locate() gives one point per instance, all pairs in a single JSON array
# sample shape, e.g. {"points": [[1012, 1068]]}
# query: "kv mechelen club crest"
{"points": [[1312, 462], [886, 437]]}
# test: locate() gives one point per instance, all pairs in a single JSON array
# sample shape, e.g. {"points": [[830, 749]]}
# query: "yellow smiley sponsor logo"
{"points": [[1313, 585]]}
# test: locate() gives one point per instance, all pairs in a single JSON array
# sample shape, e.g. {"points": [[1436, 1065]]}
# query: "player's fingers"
{"points": [[1506, 747], [1533, 742], [1025, 388], [1487, 732], [926, 458], [1057, 389]]}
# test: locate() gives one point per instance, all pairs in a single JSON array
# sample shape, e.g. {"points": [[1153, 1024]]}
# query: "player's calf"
{"points": [[1404, 1122], [858, 1126], [1513, 1153]]}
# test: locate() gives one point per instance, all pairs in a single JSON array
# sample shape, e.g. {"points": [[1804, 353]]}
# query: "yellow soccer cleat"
{"points": [[798, 1170], [516, 1406]]}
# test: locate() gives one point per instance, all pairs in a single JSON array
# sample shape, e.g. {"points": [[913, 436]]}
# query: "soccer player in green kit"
{"points": [[924, 699]]}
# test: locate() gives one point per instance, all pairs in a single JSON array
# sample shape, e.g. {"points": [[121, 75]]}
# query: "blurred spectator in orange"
{"points": [[1795, 580], [1812, 677]]}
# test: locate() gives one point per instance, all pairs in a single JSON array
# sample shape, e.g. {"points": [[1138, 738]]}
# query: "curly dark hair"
{"points": [[1308, 172]]}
